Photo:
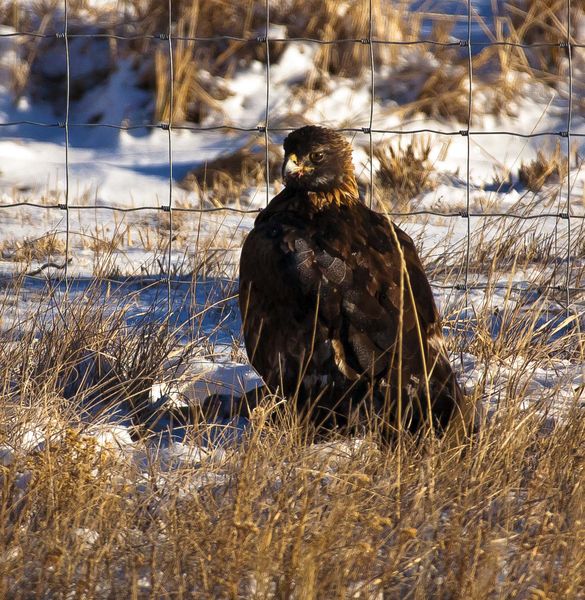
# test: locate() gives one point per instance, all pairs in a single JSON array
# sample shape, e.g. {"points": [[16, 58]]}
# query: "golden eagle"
{"points": [[337, 312]]}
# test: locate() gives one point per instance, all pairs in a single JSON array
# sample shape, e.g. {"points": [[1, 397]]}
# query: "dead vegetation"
{"points": [[544, 22], [551, 168], [104, 243], [214, 40], [87, 356], [95, 511], [403, 172], [267, 515], [198, 91], [503, 249], [496, 520], [224, 180], [43, 248]]}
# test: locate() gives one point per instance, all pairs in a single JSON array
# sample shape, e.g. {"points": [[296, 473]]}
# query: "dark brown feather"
{"points": [[330, 318]]}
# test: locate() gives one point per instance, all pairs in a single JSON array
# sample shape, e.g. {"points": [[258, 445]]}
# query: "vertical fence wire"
{"points": [[569, 123], [65, 206], [370, 42], [171, 92], [267, 108], [468, 157]]}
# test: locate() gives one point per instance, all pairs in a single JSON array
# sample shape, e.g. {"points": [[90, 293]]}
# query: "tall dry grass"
{"points": [[421, 79], [274, 517], [268, 513]]}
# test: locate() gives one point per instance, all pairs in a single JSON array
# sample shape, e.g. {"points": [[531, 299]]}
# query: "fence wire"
{"points": [[264, 129]]}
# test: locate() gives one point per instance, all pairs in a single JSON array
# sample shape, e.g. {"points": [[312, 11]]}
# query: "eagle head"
{"points": [[316, 159]]}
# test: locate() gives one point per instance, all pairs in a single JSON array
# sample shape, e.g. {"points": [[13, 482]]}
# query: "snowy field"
{"points": [[478, 222]]}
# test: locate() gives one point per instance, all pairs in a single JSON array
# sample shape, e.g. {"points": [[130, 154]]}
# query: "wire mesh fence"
{"points": [[563, 214]]}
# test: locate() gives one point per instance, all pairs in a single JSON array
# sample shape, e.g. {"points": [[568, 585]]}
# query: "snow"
{"points": [[110, 167]]}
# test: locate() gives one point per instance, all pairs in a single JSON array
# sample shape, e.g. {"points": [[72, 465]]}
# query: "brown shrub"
{"points": [[38, 249], [404, 173], [543, 169]]}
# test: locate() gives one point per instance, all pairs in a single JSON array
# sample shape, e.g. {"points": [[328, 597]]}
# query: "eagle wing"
{"points": [[323, 298]]}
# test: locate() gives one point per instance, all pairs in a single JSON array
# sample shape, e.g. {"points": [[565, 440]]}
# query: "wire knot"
{"points": [[261, 39], [162, 36], [366, 130], [166, 208], [366, 41]]}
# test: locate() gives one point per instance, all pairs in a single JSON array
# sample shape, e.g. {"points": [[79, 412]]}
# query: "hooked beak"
{"points": [[291, 166]]}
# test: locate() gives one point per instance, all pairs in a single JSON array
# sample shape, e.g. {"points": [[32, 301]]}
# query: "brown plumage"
{"points": [[337, 311]]}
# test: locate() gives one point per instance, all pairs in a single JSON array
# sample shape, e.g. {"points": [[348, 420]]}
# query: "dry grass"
{"points": [[437, 85], [104, 243], [44, 248], [154, 235], [198, 95], [404, 172], [87, 353], [542, 26], [428, 80], [543, 22], [503, 250], [543, 169], [501, 516], [224, 180]]}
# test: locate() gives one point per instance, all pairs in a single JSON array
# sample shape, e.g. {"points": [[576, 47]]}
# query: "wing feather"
{"points": [[322, 288]]}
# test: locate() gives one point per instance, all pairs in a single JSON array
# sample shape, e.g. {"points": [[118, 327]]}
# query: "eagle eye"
{"points": [[317, 157]]}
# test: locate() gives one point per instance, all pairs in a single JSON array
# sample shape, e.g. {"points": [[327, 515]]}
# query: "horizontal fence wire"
{"points": [[263, 39], [186, 281], [251, 211], [263, 129]]}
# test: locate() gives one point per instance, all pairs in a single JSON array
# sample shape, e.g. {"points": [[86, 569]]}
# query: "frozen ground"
{"points": [[112, 168]]}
